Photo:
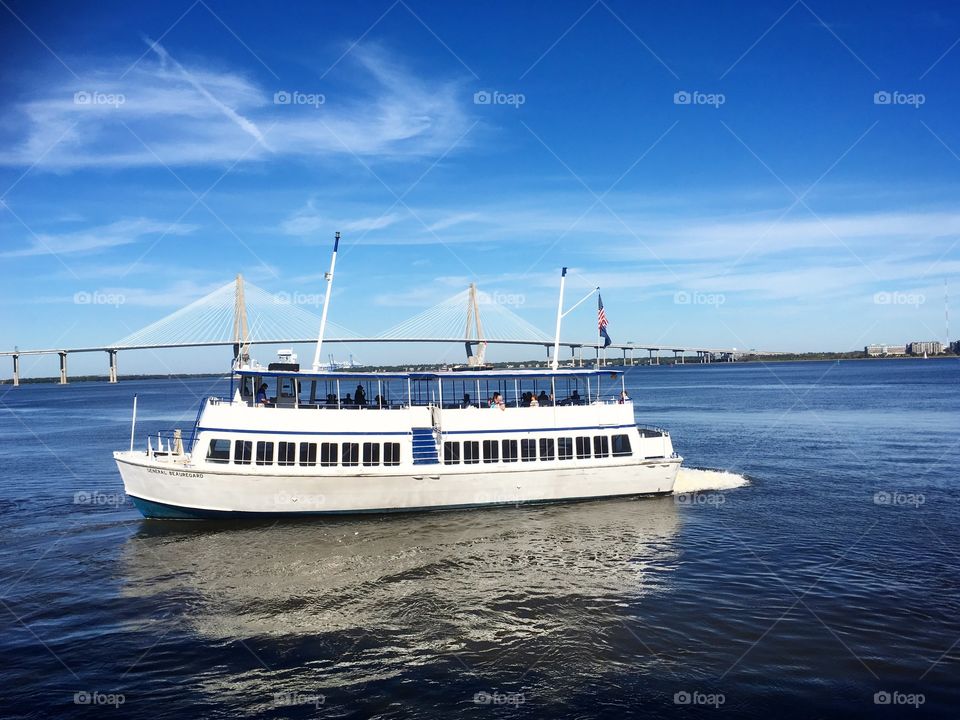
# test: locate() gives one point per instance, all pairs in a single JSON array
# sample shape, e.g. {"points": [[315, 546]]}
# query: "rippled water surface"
{"points": [[832, 576]]}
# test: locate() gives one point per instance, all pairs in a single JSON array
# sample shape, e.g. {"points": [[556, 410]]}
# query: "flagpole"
{"points": [[326, 304]]}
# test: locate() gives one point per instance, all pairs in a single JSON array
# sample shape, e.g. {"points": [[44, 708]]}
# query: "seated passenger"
{"points": [[575, 398], [543, 399], [532, 401], [261, 398], [497, 401], [348, 400], [378, 401], [360, 395], [466, 400]]}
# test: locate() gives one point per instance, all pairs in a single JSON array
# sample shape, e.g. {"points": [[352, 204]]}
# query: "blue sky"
{"points": [[771, 174]]}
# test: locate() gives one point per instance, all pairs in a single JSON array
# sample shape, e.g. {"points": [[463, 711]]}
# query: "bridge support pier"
{"points": [[16, 369], [63, 366], [113, 365]]}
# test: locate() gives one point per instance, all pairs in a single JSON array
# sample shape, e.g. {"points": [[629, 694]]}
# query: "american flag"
{"points": [[602, 321]]}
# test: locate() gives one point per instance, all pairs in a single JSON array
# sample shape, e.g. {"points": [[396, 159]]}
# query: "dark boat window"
{"points": [[308, 453], [350, 454], [242, 452], [621, 445], [564, 448], [528, 450], [328, 454], [451, 452], [219, 450], [509, 448], [583, 447], [601, 446], [264, 453], [371, 453], [546, 448], [286, 453], [490, 451], [471, 452], [391, 453]]}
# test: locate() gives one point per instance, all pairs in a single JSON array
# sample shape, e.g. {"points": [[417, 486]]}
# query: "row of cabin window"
{"points": [[564, 448], [246, 452]]}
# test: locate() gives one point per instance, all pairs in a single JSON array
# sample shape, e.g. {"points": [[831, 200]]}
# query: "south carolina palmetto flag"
{"points": [[602, 321]]}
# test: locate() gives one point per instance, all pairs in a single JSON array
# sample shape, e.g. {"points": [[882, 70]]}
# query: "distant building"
{"points": [[885, 350], [930, 347], [955, 346]]}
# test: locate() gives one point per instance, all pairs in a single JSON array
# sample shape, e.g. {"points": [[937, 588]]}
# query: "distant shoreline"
{"points": [[644, 362]]}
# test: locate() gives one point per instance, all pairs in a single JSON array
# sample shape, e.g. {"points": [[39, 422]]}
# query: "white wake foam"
{"points": [[697, 480]]}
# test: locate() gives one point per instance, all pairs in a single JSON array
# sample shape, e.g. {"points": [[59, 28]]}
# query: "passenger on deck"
{"points": [[348, 400], [623, 397], [575, 398], [532, 401], [261, 398], [360, 396], [331, 399], [378, 401], [497, 401], [466, 400], [543, 399]]}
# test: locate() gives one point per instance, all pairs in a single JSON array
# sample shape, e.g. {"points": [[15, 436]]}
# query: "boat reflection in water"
{"points": [[369, 598]]}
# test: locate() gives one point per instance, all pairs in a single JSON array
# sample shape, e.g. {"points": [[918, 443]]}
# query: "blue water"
{"points": [[831, 577]]}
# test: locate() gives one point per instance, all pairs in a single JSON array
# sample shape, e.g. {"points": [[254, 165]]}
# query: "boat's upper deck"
{"points": [[279, 386]]}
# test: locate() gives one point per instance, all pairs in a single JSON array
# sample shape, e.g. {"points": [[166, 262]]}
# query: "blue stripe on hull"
{"points": [[161, 511]]}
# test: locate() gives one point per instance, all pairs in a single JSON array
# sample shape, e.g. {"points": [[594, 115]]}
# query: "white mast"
{"points": [[561, 314], [326, 303], [556, 339]]}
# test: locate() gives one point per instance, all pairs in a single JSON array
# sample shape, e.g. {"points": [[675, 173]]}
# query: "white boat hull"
{"points": [[162, 491]]}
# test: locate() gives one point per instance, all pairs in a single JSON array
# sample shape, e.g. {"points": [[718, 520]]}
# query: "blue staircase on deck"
{"points": [[424, 446]]}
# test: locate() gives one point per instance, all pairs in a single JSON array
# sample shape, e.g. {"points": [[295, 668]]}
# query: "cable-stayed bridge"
{"points": [[240, 314]]}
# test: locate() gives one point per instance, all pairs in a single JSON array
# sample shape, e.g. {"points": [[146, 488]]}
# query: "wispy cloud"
{"points": [[189, 114], [96, 239]]}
